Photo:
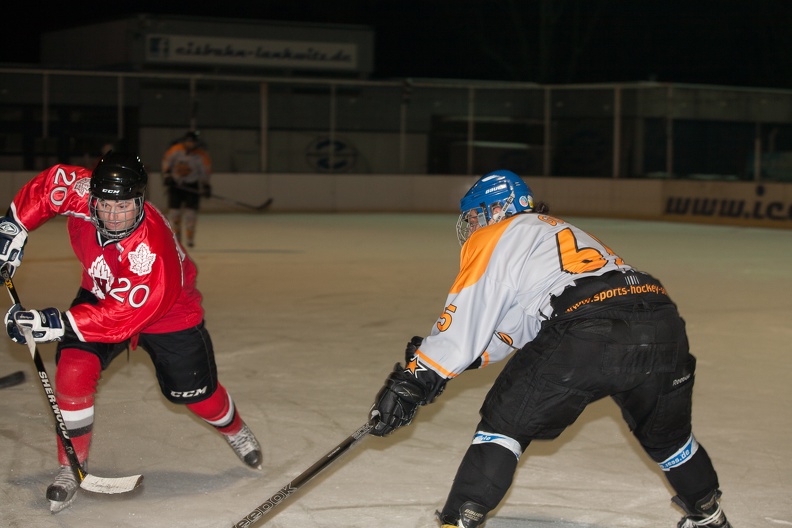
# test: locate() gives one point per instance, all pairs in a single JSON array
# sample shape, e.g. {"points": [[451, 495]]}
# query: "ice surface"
{"points": [[308, 314]]}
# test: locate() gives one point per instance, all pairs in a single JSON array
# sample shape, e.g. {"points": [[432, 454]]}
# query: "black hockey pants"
{"points": [[635, 353]]}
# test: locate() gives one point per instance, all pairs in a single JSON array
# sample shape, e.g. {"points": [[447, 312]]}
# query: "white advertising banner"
{"points": [[304, 55]]}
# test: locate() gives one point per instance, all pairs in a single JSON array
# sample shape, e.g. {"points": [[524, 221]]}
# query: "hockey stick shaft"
{"points": [[289, 489], [249, 206], [88, 482], [49, 391], [229, 200]]}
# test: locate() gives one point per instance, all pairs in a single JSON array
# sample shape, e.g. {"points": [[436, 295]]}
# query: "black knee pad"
{"points": [[484, 476], [694, 479]]}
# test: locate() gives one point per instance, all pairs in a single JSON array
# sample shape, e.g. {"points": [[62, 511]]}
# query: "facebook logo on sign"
{"points": [[158, 47]]}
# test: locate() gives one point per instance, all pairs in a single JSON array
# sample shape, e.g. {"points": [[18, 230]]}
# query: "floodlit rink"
{"points": [[308, 314]]}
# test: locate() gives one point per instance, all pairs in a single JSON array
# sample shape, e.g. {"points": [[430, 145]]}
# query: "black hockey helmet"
{"points": [[117, 177]]}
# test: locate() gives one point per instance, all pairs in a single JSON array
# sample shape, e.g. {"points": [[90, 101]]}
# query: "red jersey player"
{"points": [[137, 287]]}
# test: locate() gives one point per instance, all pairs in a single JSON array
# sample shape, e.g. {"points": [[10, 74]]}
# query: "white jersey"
{"points": [[187, 167], [508, 273]]}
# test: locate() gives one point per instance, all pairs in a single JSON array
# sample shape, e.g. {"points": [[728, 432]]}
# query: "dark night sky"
{"points": [[727, 42]]}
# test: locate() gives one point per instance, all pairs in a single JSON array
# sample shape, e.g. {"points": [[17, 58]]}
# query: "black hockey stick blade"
{"points": [[289, 489], [15, 378], [265, 205], [87, 482]]}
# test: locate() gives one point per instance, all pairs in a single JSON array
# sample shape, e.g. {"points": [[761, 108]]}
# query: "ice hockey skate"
{"points": [[707, 513], [471, 515], [62, 492], [246, 446]]}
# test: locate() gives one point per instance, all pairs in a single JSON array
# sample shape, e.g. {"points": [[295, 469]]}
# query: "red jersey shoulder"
{"points": [[70, 176], [59, 190], [68, 184]]}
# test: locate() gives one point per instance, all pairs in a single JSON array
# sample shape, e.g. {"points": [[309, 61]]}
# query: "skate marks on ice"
{"points": [[405, 515], [514, 522], [279, 272]]}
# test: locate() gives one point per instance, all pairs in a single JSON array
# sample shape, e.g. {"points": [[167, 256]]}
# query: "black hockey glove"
{"points": [[412, 348], [405, 389], [428, 377], [13, 238], [168, 180], [397, 402]]}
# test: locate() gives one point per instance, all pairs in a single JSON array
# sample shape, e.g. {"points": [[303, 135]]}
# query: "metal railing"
{"points": [[416, 126]]}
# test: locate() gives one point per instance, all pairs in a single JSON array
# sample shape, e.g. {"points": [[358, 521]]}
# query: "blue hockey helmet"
{"points": [[495, 196]]}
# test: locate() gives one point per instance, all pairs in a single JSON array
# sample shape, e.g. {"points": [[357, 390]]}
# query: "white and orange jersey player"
{"points": [[578, 324], [517, 266]]}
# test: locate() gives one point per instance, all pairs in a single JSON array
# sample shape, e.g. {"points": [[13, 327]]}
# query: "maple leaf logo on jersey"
{"points": [[82, 186], [102, 277], [141, 260]]}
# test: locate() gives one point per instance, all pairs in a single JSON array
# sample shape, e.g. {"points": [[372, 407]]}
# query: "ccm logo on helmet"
{"points": [[111, 191]]}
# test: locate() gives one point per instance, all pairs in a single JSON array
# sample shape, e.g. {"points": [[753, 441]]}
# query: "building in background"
{"points": [[304, 98]]}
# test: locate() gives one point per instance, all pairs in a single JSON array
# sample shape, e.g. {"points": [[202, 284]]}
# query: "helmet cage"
{"points": [[118, 177], [483, 215], [135, 215]]}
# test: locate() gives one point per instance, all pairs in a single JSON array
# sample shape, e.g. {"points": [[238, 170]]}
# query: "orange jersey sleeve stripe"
{"points": [[443, 372], [485, 359], [437, 368]]}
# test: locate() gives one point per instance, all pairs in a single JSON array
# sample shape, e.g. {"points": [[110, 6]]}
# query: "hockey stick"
{"points": [[229, 200], [249, 206], [9, 380], [87, 481], [286, 491]]}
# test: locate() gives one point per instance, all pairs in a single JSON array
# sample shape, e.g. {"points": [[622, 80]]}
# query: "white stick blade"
{"points": [[110, 485]]}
